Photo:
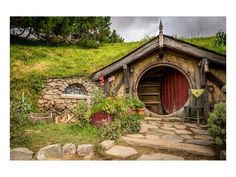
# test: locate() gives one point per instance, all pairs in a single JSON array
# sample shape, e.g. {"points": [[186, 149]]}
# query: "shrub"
{"points": [[134, 102], [116, 106], [82, 113], [98, 96], [120, 126], [217, 124], [131, 123], [111, 130]]}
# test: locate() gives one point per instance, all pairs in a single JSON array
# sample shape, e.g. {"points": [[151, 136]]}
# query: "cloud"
{"points": [[135, 28]]}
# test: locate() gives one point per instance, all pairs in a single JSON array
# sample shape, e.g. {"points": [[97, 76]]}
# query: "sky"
{"points": [[136, 28]]}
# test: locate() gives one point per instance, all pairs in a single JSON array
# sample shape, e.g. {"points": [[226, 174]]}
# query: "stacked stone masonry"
{"points": [[54, 99]]}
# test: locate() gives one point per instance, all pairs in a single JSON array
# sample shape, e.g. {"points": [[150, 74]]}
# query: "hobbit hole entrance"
{"points": [[164, 90]]}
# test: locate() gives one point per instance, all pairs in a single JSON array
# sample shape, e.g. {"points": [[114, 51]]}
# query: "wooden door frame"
{"points": [[165, 64]]}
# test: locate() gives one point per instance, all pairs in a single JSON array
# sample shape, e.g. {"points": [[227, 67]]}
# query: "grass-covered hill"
{"points": [[33, 63]]}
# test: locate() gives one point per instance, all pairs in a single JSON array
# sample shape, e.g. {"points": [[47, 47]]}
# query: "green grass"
{"points": [[43, 134], [208, 43], [31, 64]]}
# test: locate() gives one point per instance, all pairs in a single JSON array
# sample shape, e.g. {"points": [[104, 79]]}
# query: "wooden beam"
{"points": [[126, 77], [161, 41], [193, 50], [114, 92], [138, 53], [213, 78], [106, 86]]}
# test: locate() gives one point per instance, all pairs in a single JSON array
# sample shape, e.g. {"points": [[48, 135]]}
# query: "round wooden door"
{"points": [[174, 91]]}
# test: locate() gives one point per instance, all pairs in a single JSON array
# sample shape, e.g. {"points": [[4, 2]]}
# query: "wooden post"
{"points": [[161, 40], [114, 92], [106, 86], [204, 68], [126, 77]]}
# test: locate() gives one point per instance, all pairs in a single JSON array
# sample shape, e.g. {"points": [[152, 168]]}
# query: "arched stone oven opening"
{"points": [[163, 89]]}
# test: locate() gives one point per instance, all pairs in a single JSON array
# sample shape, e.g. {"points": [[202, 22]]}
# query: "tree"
{"points": [[79, 30]]}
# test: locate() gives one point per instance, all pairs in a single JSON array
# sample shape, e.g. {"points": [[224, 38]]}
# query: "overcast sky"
{"points": [[135, 28]]}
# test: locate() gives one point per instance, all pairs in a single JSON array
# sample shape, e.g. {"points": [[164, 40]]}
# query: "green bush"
{"points": [[121, 126], [98, 96], [134, 102], [131, 123], [217, 124], [82, 113], [112, 130], [115, 106]]}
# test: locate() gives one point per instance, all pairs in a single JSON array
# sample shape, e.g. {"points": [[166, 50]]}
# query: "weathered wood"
{"points": [[126, 77], [190, 49], [115, 90], [136, 54], [153, 45], [161, 41], [217, 81], [106, 86]]}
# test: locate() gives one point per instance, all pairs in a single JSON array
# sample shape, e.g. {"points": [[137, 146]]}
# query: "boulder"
{"points": [[121, 151], [160, 156], [68, 150], [152, 137], [85, 150], [136, 135], [199, 131], [21, 154], [107, 144], [51, 152]]}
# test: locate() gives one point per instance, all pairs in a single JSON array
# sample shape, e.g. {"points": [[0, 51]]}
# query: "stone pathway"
{"points": [[158, 139], [173, 136]]}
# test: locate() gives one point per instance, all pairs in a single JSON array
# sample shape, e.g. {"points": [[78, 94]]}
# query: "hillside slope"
{"points": [[31, 65]]}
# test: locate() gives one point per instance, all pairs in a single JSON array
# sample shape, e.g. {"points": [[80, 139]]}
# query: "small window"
{"points": [[75, 89]]}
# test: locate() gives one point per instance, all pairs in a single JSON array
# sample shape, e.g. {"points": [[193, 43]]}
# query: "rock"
{"points": [[160, 156], [187, 137], [199, 131], [167, 125], [107, 144], [191, 125], [49, 152], [164, 132], [121, 151], [85, 149], [223, 155], [21, 154], [143, 129], [172, 138], [153, 118], [203, 137], [152, 137], [179, 126], [148, 126], [89, 157], [168, 128], [136, 135], [199, 142], [69, 150], [190, 148], [183, 132]]}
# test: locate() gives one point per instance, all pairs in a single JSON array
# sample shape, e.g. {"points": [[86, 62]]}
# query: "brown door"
{"points": [[174, 91]]}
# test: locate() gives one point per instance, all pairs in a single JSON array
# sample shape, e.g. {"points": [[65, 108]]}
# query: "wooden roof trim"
{"points": [[190, 49], [169, 42], [129, 58]]}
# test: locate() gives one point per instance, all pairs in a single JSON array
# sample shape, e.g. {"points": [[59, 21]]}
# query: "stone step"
{"points": [[159, 144], [159, 156]]}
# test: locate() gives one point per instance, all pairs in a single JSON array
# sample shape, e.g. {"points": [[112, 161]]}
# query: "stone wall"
{"points": [[54, 99]]}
